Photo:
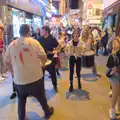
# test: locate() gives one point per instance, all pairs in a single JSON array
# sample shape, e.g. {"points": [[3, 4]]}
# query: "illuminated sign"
{"points": [[48, 14], [14, 1], [40, 2], [89, 6]]}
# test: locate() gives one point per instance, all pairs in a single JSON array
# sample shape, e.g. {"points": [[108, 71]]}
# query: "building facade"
{"points": [[92, 12], [111, 13], [13, 13], [59, 11]]}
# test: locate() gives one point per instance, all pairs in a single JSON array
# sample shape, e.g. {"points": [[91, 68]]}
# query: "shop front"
{"points": [[26, 11], [111, 11], [18, 19]]}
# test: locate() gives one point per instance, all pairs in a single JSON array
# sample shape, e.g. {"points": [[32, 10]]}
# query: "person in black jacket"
{"points": [[104, 41], [49, 43]]}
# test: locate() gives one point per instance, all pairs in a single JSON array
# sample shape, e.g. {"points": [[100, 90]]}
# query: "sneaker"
{"points": [[110, 94], [79, 86], [6, 75], [71, 88], [1, 78], [47, 116], [56, 89], [59, 76], [118, 113], [13, 96], [112, 114]]}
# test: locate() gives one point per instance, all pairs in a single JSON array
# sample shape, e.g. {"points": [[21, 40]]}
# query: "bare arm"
{"points": [[7, 60], [41, 53]]}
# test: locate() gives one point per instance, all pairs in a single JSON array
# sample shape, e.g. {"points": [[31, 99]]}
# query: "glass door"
{"points": [[18, 19]]}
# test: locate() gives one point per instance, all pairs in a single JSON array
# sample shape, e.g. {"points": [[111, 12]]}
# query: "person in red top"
{"points": [[1, 37], [1, 48]]}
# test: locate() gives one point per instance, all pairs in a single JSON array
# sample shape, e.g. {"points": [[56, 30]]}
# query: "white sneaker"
{"points": [[112, 114], [1, 78]]}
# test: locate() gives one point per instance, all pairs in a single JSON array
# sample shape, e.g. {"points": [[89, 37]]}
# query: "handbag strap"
{"points": [[116, 60]]}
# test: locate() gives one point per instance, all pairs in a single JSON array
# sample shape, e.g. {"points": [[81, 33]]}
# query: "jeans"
{"points": [[36, 90], [52, 70], [72, 62]]}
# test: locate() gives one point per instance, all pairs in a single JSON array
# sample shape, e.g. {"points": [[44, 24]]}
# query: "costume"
{"points": [[74, 50]]}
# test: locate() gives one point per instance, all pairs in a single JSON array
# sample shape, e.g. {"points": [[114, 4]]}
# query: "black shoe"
{"points": [[71, 88], [47, 116], [79, 85], [13, 96], [56, 89]]}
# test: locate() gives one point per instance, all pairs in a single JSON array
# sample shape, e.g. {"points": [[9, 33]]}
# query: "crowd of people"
{"points": [[49, 49]]}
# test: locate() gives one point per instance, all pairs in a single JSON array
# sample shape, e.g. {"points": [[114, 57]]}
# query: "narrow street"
{"points": [[90, 103]]}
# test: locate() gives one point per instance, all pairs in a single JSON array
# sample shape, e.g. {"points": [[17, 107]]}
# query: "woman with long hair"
{"points": [[88, 42], [113, 63], [73, 50], [36, 34]]}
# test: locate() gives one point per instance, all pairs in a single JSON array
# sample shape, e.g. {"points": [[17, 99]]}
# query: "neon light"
{"points": [[39, 2], [42, 2]]}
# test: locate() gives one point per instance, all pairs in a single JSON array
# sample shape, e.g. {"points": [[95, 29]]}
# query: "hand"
{"points": [[114, 69], [43, 66], [54, 52], [112, 72]]}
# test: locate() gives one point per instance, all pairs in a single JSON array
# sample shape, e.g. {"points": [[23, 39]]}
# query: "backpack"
{"points": [[113, 61]]}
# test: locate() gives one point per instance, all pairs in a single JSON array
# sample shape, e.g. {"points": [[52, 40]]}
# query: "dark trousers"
{"points": [[52, 70], [72, 62], [36, 90], [57, 71], [97, 47], [14, 87]]}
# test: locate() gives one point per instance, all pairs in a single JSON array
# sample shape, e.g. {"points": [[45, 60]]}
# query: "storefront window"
{"points": [[37, 22], [18, 19]]}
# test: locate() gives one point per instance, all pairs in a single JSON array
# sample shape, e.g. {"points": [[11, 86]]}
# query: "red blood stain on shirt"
{"points": [[21, 57], [26, 50]]}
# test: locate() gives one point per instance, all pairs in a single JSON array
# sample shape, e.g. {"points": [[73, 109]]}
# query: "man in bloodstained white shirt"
{"points": [[25, 57]]}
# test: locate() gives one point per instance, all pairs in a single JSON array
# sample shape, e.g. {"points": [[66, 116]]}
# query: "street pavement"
{"points": [[90, 103]]}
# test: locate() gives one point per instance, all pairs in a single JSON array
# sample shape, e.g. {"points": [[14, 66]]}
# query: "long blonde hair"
{"points": [[116, 45]]}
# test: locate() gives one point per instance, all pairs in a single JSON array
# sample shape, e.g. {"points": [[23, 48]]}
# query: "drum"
{"points": [[88, 59]]}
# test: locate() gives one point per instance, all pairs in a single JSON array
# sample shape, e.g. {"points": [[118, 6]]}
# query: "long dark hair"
{"points": [[39, 31]]}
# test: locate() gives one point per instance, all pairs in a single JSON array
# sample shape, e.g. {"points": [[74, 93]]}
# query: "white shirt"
{"points": [[70, 50], [95, 34], [25, 55]]}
